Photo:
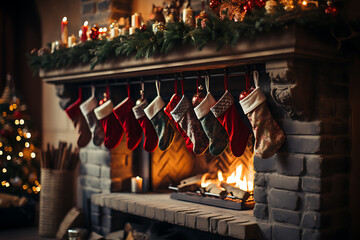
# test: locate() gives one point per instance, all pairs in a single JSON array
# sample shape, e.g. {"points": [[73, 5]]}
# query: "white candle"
{"points": [[132, 30], [136, 184], [135, 20], [71, 41], [188, 16]]}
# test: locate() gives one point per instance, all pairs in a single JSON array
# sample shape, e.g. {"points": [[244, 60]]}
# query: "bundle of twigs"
{"points": [[60, 158]]}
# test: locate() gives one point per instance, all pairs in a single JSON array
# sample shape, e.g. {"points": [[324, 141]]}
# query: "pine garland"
{"points": [[145, 44]]}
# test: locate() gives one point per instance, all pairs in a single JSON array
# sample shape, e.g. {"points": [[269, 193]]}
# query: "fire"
{"points": [[237, 179]]}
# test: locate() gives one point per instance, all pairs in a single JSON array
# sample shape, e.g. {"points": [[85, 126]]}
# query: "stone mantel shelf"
{"points": [[225, 222], [290, 43]]}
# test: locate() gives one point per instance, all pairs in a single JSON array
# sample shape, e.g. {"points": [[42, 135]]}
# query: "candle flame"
{"points": [[304, 3], [64, 19], [137, 177], [86, 23]]}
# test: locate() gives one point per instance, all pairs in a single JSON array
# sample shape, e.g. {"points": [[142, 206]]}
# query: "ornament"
{"points": [[270, 7], [251, 4], [238, 14], [143, 28], [156, 14], [18, 114], [43, 51], [330, 9], [204, 23], [213, 4], [158, 27], [288, 5], [245, 93], [94, 32], [141, 99], [261, 3], [226, 10], [198, 97], [199, 18], [105, 98]]}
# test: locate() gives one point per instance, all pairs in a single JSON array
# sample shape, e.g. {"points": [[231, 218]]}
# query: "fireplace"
{"points": [[299, 193]]}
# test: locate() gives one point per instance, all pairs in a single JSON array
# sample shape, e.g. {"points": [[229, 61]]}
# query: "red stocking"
{"points": [[112, 128], [80, 124], [123, 112], [175, 99], [225, 111]]}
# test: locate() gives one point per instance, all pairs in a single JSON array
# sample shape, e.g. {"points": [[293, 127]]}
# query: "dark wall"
{"points": [[20, 31]]}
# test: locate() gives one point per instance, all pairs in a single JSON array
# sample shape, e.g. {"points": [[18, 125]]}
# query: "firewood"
{"points": [[190, 181], [213, 188], [237, 192]]}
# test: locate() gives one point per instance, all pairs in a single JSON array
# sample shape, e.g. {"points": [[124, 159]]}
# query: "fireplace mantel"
{"points": [[292, 42]]}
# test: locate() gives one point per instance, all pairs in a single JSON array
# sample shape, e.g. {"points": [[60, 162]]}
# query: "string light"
{"points": [[8, 157], [33, 155], [24, 187], [1, 144], [1, 152], [22, 121], [21, 154], [17, 122], [14, 106], [4, 114], [27, 144], [18, 138], [4, 170], [11, 107], [28, 135]]}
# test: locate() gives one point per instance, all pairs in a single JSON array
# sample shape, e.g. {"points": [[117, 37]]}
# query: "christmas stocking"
{"points": [[175, 99], [185, 116], [216, 133], [268, 135], [151, 139], [74, 113], [225, 111], [112, 128], [87, 109], [160, 120], [123, 112]]}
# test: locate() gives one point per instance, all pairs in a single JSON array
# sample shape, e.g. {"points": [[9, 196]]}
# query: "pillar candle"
{"points": [[71, 41], [84, 30], [136, 184], [64, 31], [188, 16], [135, 20]]}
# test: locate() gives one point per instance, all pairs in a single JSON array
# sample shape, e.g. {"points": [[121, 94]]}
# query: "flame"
{"points": [[220, 176], [237, 180], [64, 19]]}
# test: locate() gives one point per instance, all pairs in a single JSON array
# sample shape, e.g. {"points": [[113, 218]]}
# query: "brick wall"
{"points": [[104, 12], [302, 191]]}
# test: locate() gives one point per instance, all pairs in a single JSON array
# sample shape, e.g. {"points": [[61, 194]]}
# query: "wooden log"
{"points": [[213, 188], [190, 184], [237, 192]]}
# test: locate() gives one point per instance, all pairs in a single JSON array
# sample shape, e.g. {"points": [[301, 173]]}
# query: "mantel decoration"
{"points": [[225, 23]]}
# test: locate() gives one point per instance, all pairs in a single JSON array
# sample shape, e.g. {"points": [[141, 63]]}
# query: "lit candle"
{"points": [[84, 30], [135, 20], [136, 184], [188, 16], [114, 30], [64, 31]]}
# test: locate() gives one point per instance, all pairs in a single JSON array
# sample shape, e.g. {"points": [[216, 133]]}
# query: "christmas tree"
{"points": [[19, 157]]}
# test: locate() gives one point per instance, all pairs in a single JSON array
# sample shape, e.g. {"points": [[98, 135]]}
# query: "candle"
{"points": [[71, 41], [64, 31], [132, 30], [136, 184], [84, 30], [135, 20], [114, 30], [188, 16]]}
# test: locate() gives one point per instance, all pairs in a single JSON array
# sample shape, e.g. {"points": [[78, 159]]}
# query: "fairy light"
{"points": [[27, 144], [28, 135], [1, 152], [18, 138], [4, 170], [33, 155], [17, 122], [21, 154], [1, 144], [4, 114], [22, 121], [11, 107], [8, 157], [14, 106]]}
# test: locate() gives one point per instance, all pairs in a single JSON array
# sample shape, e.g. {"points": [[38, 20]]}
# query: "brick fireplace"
{"points": [[300, 193]]}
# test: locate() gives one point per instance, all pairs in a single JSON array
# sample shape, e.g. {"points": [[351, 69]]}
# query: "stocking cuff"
{"points": [[251, 101], [139, 109], [88, 105], [124, 106], [223, 104], [154, 107], [181, 109], [104, 110], [204, 107]]}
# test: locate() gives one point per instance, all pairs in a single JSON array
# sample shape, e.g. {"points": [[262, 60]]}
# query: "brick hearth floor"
{"points": [[226, 222]]}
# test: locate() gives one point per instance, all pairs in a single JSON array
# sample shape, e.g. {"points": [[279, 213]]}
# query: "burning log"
{"points": [[237, 192], [213, 188]]}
